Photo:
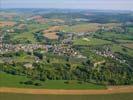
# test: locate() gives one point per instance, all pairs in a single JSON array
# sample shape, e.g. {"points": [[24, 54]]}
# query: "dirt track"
{"points": [[110, 90]]}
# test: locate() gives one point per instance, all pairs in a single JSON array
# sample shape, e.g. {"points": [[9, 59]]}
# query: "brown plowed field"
{"points": [[110, 90]]}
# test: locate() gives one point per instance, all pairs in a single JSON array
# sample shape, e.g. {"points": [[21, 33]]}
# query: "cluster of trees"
{"points": [[109, 73], [31, 82], [44, 40], [39, 37], [7, 38], [21, 30], [102, 17], [21, 40]]}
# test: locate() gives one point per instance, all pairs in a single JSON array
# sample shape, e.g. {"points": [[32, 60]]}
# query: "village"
{"points": [[65, 48]]}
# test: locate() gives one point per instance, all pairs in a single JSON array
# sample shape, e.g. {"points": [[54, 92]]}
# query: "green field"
{"points": [[90, 41], [130, 29], [125, 41], [30, 34], [114, 35], [91, 27], [128, 45], [7, 80], [26, 35], [118, 48], [8, 96]]}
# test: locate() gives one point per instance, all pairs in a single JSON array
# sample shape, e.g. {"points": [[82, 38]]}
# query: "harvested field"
{"points": [[111, 25], [128, 45], [7, 23], [50, 33], [7, 15], [110, 90], [57, 20], [38, 19], [90, 27], [82, 28]]}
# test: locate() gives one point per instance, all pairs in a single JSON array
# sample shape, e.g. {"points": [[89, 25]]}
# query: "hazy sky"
{"points": [[74, 4]]}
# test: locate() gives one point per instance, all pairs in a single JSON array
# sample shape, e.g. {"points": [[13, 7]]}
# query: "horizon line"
{"points": [[68, 8]]}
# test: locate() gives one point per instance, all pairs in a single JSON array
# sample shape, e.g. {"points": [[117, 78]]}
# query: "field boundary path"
{"points": [[110, 90]]}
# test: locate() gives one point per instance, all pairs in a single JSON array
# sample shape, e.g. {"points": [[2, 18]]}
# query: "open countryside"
{"points": [[60, 50]]}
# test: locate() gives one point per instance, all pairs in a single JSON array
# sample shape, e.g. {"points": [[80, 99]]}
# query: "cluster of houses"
{"points": [[20, 47], [105, 53], [61, 49], [64, 50], [108, 53]]}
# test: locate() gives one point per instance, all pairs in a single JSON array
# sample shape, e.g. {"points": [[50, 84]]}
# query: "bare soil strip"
{"points": [[110, 90]]}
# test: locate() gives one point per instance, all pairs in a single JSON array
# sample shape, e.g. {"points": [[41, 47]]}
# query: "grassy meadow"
{"points": [[82, 28], [90, 41], [119, 48], [7, 80], [9, 96]]}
